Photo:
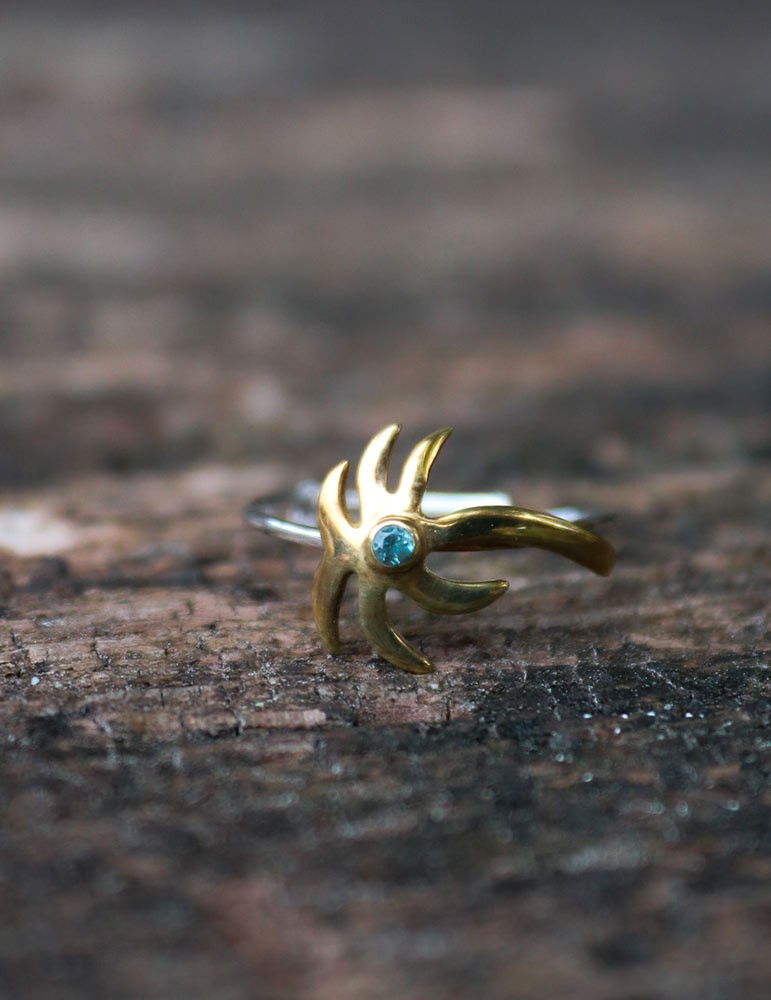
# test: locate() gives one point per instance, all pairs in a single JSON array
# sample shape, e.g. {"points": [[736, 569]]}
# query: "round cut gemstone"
{"points": [[393, 545]]}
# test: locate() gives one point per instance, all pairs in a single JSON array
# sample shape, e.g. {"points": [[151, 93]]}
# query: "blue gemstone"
{"points": [[393, 545]]}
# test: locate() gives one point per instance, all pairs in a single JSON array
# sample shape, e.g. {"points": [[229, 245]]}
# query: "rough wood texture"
{"points": [[233, 246]]}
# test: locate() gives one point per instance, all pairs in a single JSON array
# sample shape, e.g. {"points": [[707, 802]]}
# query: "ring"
{"points": [[384, 537]]}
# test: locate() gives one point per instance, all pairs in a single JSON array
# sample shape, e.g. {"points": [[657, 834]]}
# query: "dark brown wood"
{"points": [[231, 248]]}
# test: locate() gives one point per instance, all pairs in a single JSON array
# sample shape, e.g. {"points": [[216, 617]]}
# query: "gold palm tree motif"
{"points": [[387, 540]]}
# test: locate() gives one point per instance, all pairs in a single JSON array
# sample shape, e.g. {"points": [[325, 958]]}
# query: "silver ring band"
{"points": [[292, 516]]}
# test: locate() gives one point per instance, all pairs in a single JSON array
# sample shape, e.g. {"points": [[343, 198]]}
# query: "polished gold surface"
{"points": [[347, 538]]}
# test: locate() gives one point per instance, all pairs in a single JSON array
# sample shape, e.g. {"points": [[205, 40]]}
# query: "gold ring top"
{"points": [[385, 543]]}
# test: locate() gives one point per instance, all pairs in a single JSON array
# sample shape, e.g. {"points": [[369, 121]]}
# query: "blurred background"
{"points": [[247, 229], [236, 239]]}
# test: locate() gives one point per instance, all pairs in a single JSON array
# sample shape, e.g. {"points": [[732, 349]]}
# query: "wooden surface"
{"points": [[232, 246]]}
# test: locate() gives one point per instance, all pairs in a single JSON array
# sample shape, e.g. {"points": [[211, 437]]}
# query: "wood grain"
{"points": [[232, 246]]}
